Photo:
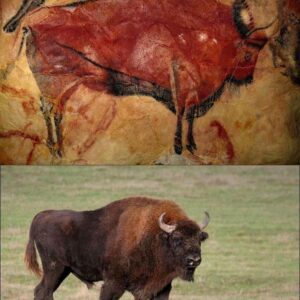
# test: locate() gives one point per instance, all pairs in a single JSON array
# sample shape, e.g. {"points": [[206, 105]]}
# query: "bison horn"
{"points": [[205, 221], [261, 28], [165, 227], [248, 29], [238, 7]]}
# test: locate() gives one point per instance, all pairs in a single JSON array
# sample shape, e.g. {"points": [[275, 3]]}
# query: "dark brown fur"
{"points": [[121, 244]]}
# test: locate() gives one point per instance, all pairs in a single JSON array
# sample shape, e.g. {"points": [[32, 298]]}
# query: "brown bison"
{"points": [[136, 244]]}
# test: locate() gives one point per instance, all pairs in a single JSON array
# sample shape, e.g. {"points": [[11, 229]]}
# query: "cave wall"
{"points": [[254, 124]]}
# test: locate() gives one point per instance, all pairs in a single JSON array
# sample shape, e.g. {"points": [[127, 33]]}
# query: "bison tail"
{"points": [[31, 257]]}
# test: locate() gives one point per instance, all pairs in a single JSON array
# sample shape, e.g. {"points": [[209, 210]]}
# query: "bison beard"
{"points": [[136, 244]]}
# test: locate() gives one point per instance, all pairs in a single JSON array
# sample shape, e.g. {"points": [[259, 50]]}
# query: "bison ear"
{"points": [[203, 236]]}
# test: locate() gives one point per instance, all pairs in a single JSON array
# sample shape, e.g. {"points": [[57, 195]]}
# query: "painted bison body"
{"points": [[181, 53], [136, 244]]}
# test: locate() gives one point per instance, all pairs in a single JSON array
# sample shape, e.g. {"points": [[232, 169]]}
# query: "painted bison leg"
{"points": [[111, 290], [57, 121], [191, 145], [190, 117], [184, 94], [199, 110], [51, 280], [164, 293], [46, 109], [178, 133], [174, 83], [26, 6]]}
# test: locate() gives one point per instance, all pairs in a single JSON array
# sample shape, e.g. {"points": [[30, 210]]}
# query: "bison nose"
{"points": [[193, 261]]}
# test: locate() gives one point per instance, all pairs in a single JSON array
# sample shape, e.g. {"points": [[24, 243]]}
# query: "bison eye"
{"points": [[248, 56], [177, 241]]}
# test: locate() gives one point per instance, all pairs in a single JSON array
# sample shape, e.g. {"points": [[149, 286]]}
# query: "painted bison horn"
{"points": [[205, 221], [165, 227], [246, 30], [261, 28]]}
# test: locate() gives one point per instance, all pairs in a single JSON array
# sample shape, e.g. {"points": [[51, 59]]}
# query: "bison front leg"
{"points": [[57, 121], [164, 293], [175, 88], [178, 133], [191, 145], [111, 291]]}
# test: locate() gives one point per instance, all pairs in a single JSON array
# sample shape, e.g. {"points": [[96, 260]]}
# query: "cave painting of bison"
{"points": [[181, 53], [136, 244]]}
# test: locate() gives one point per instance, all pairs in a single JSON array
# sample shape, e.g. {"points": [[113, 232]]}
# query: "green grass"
{"points": [[252, 252]]}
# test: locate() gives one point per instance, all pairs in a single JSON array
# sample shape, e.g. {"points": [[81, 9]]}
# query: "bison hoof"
{"points": [[59, 153], [191, 147], [178, 149]]}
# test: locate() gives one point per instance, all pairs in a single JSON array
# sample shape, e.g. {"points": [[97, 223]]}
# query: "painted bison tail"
{"points": [[26, 7], [31, 257]]}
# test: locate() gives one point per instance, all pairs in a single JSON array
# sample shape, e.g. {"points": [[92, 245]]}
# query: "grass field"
{"points": [[252, 252]]}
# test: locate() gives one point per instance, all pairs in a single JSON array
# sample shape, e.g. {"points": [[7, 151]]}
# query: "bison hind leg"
{"points": [[46, 109], [51, 280]]}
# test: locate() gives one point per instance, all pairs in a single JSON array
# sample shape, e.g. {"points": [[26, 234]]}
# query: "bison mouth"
{"points": [[187, 273], [190, 273]]}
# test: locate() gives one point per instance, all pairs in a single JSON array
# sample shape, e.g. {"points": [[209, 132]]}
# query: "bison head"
{"points": [[252, 40], [246, 59], [183, 241]]}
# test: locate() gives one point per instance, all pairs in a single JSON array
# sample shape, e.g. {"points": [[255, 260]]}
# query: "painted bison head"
{"points": [[183, 241], [253, 39]]}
